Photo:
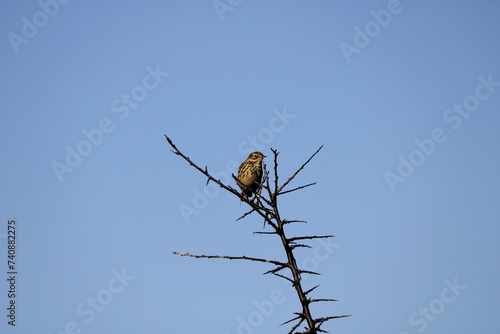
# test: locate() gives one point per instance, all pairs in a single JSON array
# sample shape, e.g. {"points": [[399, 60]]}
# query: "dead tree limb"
{"points": [[265, 204]]}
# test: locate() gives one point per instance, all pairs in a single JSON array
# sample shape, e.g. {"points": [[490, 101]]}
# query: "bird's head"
{"points": [[256, 156]]}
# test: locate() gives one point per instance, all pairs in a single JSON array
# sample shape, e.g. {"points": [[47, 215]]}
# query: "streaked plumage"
{"points": [[250, 174]]}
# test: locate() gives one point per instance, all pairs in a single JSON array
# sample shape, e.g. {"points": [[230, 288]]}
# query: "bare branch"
{"points": [[323, 319], [298, 188], [299, 316], [311, 289], [263, 232], [203, 171], [275, 270], [298, 170], [284, 277], [296, 326], [249, 258], [275, 152], [308, 272], [300, 246], [245, 214], [285, 221], [322, 300], [311, 237]]}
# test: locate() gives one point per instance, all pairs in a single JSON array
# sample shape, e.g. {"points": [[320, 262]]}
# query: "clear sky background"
{"points": [[404, 96]]}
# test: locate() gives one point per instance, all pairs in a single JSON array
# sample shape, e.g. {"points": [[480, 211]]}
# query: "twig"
{"points": [[262, 232], [311, 237], [275, 152], [298, 188], [284, 277], [322, 300], [245, 214], [249, 258]]}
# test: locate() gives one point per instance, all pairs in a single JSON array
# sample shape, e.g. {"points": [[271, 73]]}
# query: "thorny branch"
{"points": [[249, 258], [267, 208]]}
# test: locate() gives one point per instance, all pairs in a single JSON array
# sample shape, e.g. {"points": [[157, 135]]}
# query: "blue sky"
{"points": [[404, 96]]}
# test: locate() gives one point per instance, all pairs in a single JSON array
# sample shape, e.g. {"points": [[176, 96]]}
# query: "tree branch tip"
{"points": [[302, 271], [300, 316], [293, 221], [311, 289], [300, 246], [324, 319], [263, 232], [317, 300]]}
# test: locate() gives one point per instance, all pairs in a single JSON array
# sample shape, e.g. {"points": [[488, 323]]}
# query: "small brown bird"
{"points": [[250, 174]]}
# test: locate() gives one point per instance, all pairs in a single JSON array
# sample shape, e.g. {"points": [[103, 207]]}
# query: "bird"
{"points": [[250, 174]]}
